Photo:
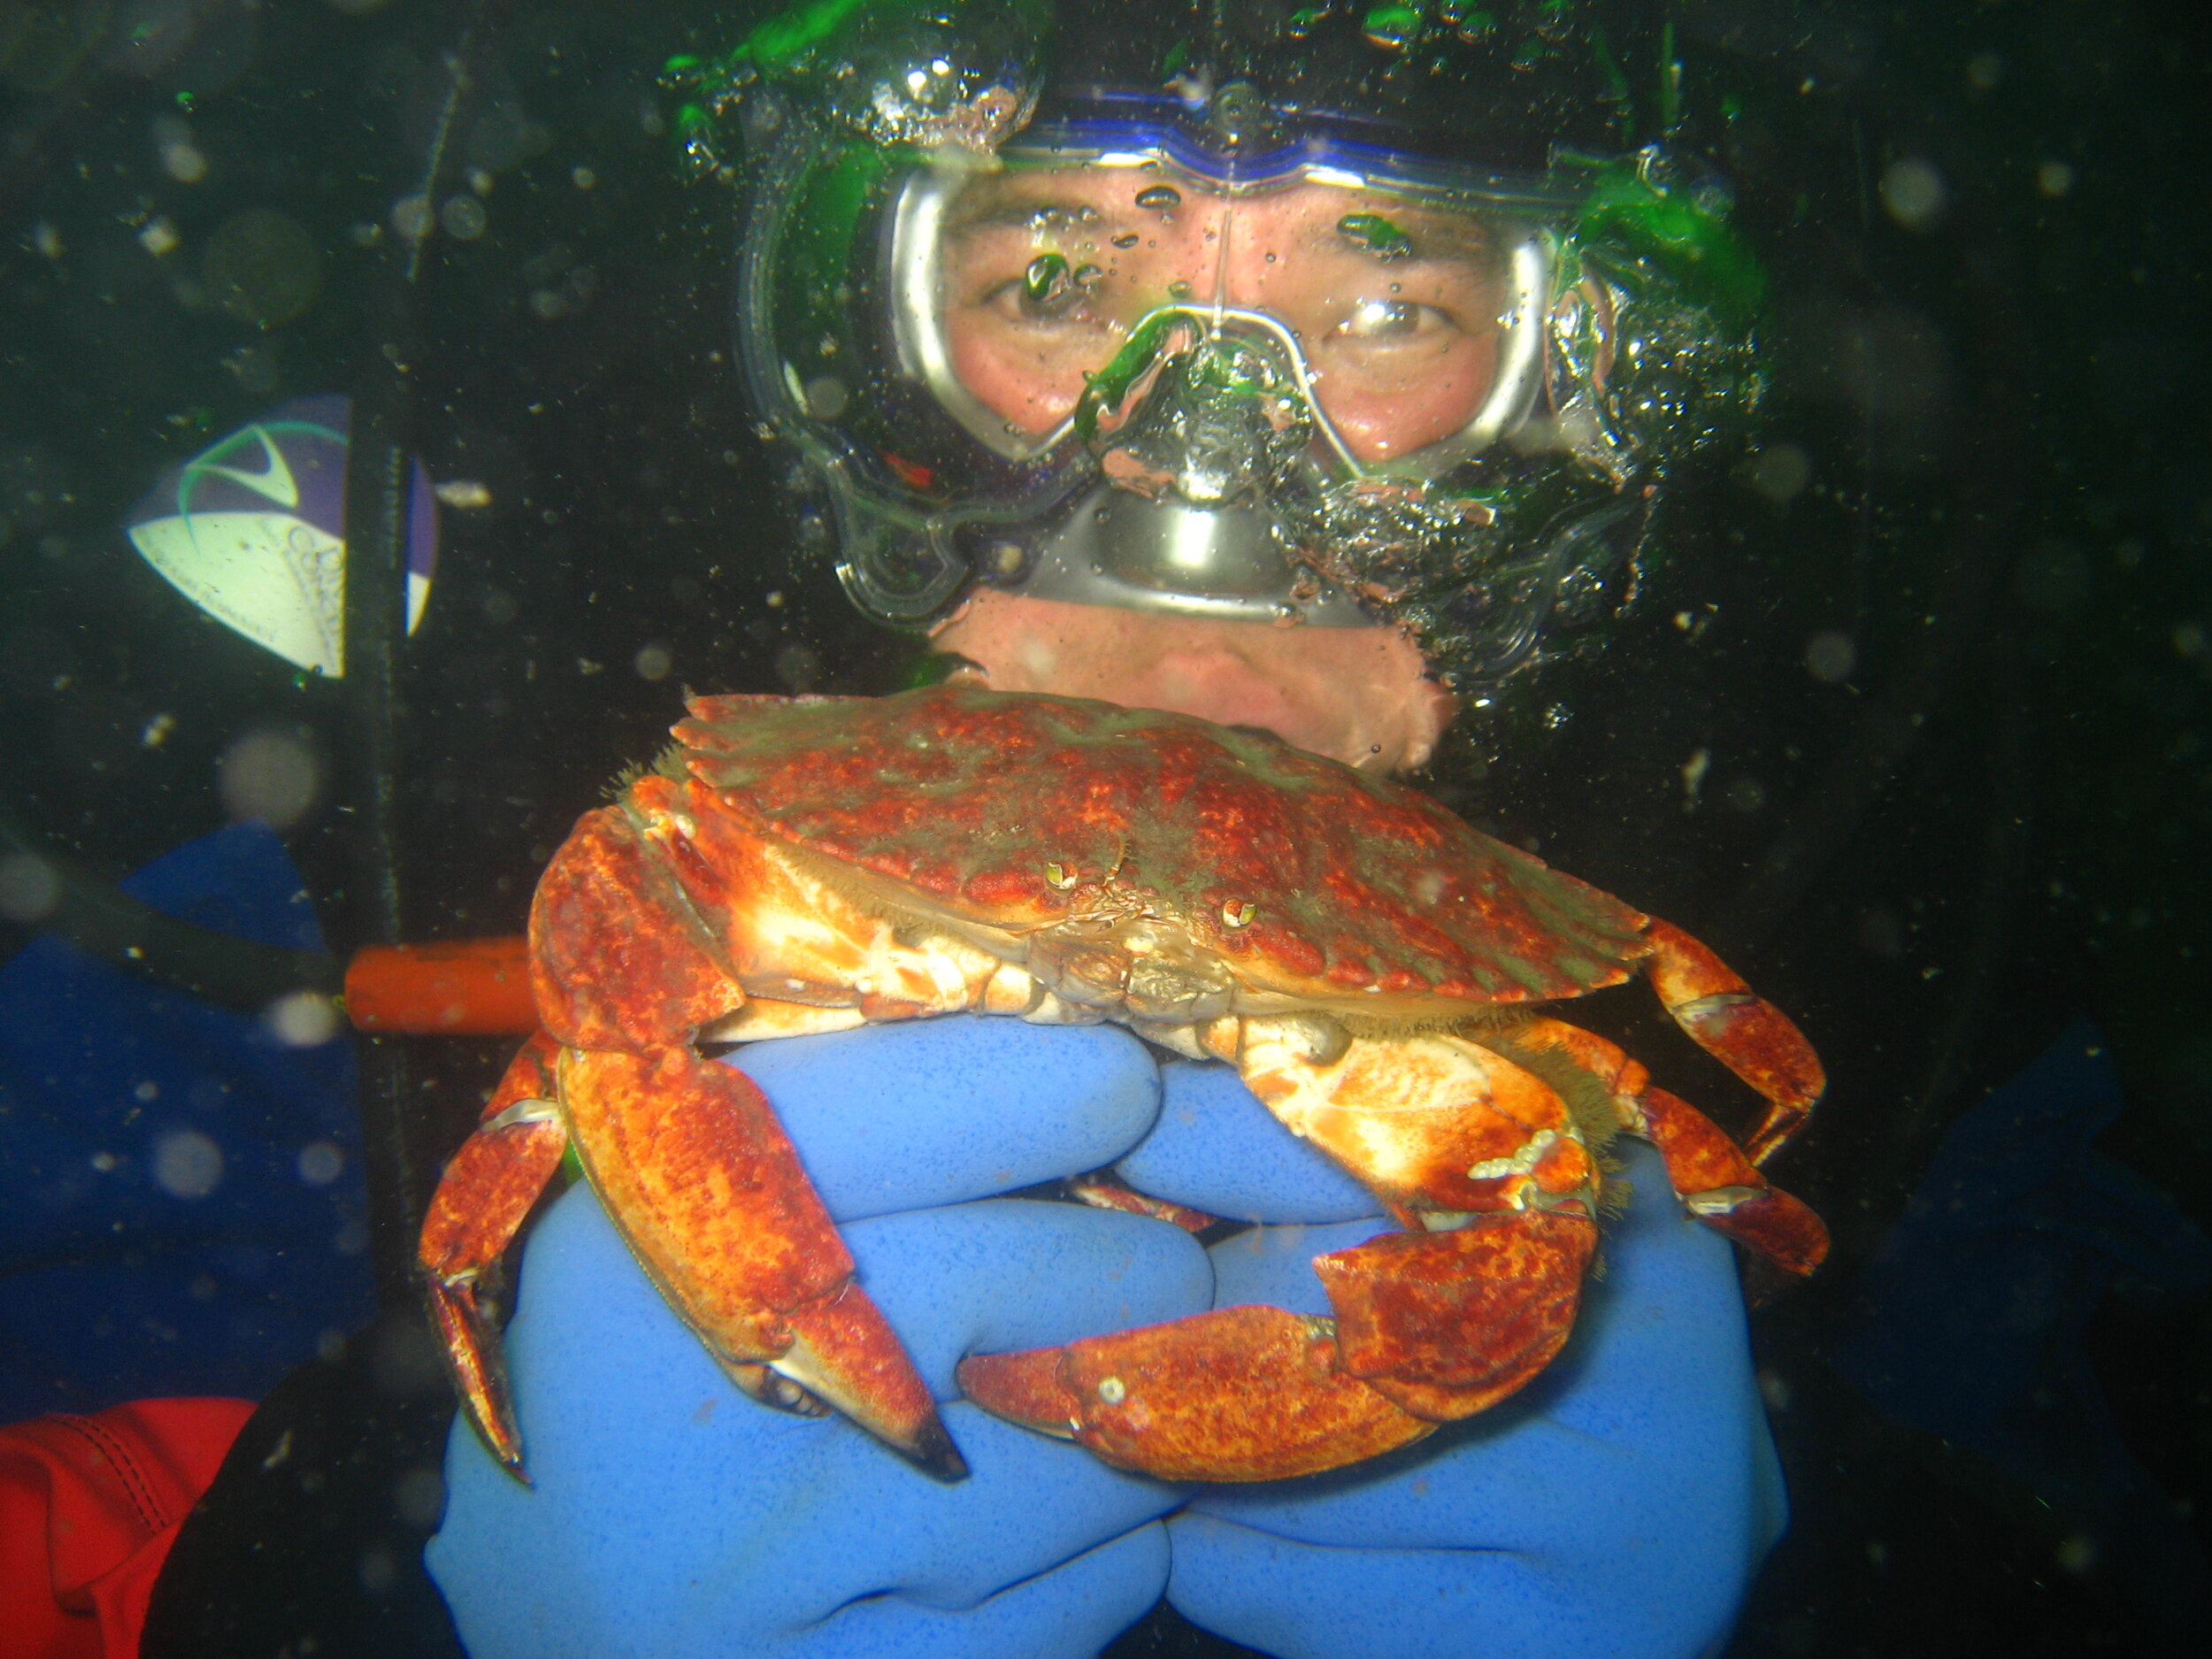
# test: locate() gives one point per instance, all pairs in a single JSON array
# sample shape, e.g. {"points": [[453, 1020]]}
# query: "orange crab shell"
{"points": [[1308, 879]]}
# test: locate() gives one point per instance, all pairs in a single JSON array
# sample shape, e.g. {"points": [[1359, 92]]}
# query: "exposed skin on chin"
{"points": [[1360, 695]]}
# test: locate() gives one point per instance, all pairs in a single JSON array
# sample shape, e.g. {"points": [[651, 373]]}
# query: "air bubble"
{"points": [[1043, 277], [1159, 197]]}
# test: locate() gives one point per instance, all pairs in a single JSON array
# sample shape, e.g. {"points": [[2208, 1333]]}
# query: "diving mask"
{"points": [[1268, 368]]}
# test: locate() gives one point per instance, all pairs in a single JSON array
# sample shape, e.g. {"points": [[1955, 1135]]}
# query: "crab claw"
{"points": [[708, 1194], [1430, 1327]]}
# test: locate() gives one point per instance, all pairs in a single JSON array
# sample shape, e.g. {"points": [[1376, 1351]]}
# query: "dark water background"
{"points": [[1946, 641]]}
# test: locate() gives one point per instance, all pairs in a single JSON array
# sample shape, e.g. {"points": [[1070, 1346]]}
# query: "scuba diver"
{"points": [[1310, 369]]}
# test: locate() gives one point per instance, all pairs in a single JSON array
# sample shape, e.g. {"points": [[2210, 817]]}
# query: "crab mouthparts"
{"points": [[1144, 968]]}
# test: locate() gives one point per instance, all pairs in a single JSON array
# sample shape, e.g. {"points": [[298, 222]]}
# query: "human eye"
{"points": [[1388, 322], [1049, 290]]}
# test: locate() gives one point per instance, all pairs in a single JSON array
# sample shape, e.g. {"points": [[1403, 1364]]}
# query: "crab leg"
{"points": [[486, 1193], [1715, 1178], [1475, 1156], [1744, 1032]]}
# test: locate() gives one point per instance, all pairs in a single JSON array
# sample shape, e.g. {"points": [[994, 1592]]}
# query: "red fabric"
{"points": [[88, 1508]]}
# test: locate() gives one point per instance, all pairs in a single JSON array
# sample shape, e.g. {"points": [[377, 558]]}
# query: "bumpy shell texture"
{"points": [[1017, 811]]}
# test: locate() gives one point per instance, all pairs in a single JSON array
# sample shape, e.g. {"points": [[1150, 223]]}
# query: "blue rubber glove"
{"points": [[1619, 1505], [672, 1516]]}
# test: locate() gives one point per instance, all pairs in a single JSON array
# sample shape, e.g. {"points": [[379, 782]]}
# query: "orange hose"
{"points": [[472, 988]]}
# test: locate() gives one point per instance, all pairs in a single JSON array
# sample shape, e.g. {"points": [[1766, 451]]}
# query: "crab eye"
{"points": [[1238, 912], [1059, 876]]}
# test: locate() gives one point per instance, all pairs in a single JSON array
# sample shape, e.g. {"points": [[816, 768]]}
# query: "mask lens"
{"points": [[1396, 306]]}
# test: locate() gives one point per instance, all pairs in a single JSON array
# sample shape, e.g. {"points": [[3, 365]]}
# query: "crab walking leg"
{"points": [[708, 1194], [1715, 1178], [480, 1203], [1744, 1032], [1478, 1158]]}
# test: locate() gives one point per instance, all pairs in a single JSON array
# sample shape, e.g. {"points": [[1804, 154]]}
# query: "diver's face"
{"points": [[1395, 308]]}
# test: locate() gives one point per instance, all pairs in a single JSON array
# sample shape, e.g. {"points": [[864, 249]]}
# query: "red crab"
{"points": [[1378, 971]]}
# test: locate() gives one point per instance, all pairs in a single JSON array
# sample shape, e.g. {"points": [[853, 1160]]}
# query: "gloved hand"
{"points": [[672, 1516], [1619, 1505]]}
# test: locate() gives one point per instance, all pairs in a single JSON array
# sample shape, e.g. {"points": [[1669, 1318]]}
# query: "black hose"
{"points": [[397, 1160], [101, 920]]}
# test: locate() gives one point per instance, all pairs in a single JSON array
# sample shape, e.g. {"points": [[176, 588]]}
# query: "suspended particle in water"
{"points": [[1747, 796], [29, 888], [187, 1164], [798, 667], [159, 236], [412, 217], [420, 1498], [156, 731], [467, 494], [826, 397], [48, 241], [270, 775], [322, 1163], [1984, 71], [1779, 472], [2054, 178], [464, 217], [302, 1020], [1831, 656], [583, 178], [1914, 193], [653, 661], [1694, 770], [262, 267]]}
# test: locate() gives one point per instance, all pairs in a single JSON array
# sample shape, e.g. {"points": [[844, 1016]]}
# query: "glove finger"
{"points": [[1346, 1602], [1274, 1265], [896, 1117], [665, 1500], [1216, 1148], [1072, 1611], [1005, 1274]]}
